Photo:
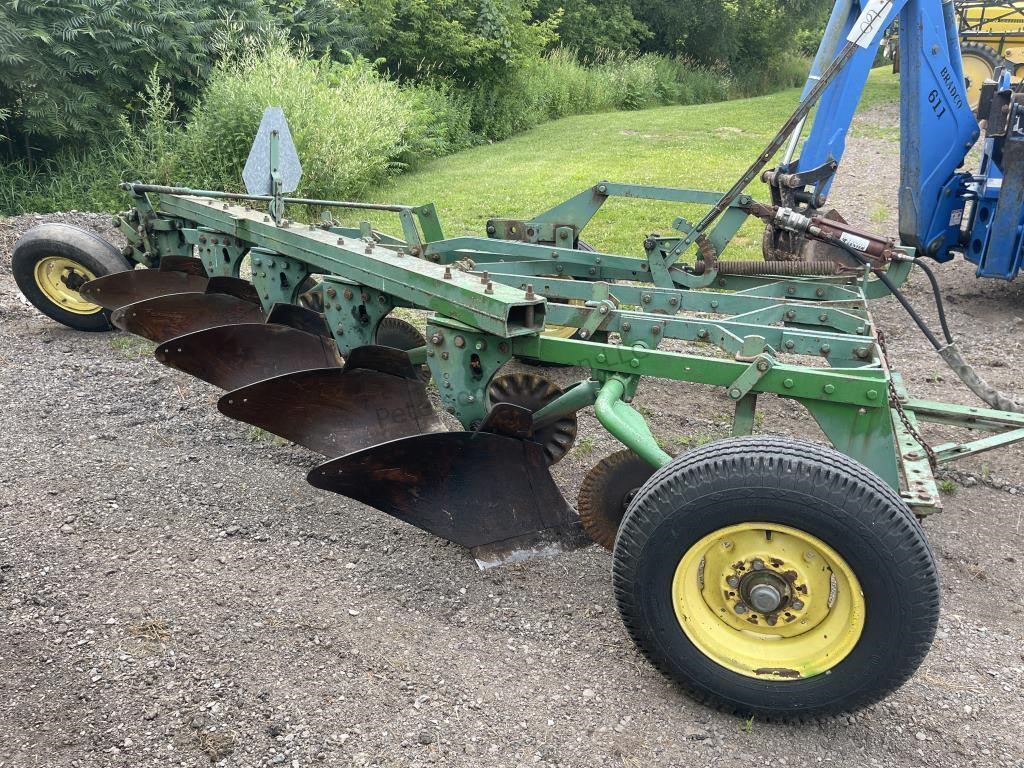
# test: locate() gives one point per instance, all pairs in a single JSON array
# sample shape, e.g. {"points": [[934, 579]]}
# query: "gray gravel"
{"points": [[172, 592]]}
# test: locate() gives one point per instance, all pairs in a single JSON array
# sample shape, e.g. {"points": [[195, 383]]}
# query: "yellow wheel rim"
{"points": [[55, 275], [977, 70], [768, 601]]}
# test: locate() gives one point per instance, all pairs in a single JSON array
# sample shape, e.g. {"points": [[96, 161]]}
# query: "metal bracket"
{"points": [[353, 312], [602, 305], [276, 278], [749, 378], [463, 361]]}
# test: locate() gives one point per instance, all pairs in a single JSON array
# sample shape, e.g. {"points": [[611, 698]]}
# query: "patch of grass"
{"points": [[152, 629], [948, 486], [698, 147], [132, 347], [879, 215], [585, 446]]}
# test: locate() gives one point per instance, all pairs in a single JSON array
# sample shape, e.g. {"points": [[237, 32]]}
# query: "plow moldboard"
{"points": [[234, 356], [335, 411], [134, 285], [490, 493], [163, 318]]}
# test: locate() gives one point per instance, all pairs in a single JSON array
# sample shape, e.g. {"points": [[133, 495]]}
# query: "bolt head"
{"points": [[757, 565], [740, 608], [797, 605]]}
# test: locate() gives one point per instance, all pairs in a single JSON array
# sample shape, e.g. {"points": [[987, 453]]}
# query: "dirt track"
{"points": [[171, 588]]}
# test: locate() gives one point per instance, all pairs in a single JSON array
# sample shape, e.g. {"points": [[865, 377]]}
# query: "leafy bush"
{"points": [[350, 126]]}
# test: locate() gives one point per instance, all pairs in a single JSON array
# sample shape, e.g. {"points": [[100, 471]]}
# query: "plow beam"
{"points": [[490, 493], [376, 397]]}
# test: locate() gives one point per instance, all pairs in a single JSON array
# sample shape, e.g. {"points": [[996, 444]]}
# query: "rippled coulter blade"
{"points": [[376, 397], [233, 356], [226, 301]]}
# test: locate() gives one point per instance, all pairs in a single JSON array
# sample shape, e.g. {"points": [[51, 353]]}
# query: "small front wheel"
{"points": [[52, 261], [776, 578]]}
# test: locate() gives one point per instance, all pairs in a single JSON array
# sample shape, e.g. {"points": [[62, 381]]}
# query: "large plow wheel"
{"points": [[778, 578], [51, 263]]}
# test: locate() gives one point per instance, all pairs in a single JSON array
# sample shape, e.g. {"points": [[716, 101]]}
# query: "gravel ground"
{"points": [[174, 593]]}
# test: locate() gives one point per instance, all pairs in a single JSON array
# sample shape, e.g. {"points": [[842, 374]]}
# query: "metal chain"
{"points": [[894, 401]]}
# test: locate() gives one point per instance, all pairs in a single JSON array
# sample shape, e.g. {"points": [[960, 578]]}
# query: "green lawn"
{"points": [[701, 147]]}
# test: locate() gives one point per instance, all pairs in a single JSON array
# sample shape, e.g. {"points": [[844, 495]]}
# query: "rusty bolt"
{"points": [[823, 317], [674, 302], [757, 564], [627, 327], [347, 293], [741, 608], [655, 330], [530, 296], [762, 365], [485, 278], [489, 288], [437, 338], [646, 298], [331, 292], [797, 605], [703, 334], [733, 582], [447, 273], [460, 342]]}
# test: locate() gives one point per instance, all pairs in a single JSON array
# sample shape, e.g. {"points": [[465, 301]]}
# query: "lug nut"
{"points": [[733, 582], [757, 565], [797, 605], [740, 608]]}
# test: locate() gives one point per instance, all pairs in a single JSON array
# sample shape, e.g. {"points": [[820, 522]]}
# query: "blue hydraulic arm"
{"points": [[942, 208]]}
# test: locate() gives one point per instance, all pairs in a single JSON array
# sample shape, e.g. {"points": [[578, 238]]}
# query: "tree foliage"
{"points": [[70, 68]]}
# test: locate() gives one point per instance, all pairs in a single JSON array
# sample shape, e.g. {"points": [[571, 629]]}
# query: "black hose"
{"points": [[948, 352], [888, 283], [939, 305]]}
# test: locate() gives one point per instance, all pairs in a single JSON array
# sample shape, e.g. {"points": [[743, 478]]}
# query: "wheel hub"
{"points": [[59, 279], [747, 584]]}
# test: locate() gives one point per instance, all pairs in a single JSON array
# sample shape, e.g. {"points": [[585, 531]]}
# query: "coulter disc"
{"points": [[533, 392], [606, 493]]}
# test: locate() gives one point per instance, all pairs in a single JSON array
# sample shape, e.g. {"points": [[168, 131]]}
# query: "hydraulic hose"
{"points": [[948, 351]]}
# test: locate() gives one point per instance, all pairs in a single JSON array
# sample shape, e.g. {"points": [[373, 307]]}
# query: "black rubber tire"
{"points": [[808, 487], [399, 334], [990, 57], [79, 245]]}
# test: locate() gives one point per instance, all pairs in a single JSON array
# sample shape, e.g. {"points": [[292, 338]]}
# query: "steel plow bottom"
{"points": [[234, 356], [376, 397], [227, 301], [491, 493]]}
